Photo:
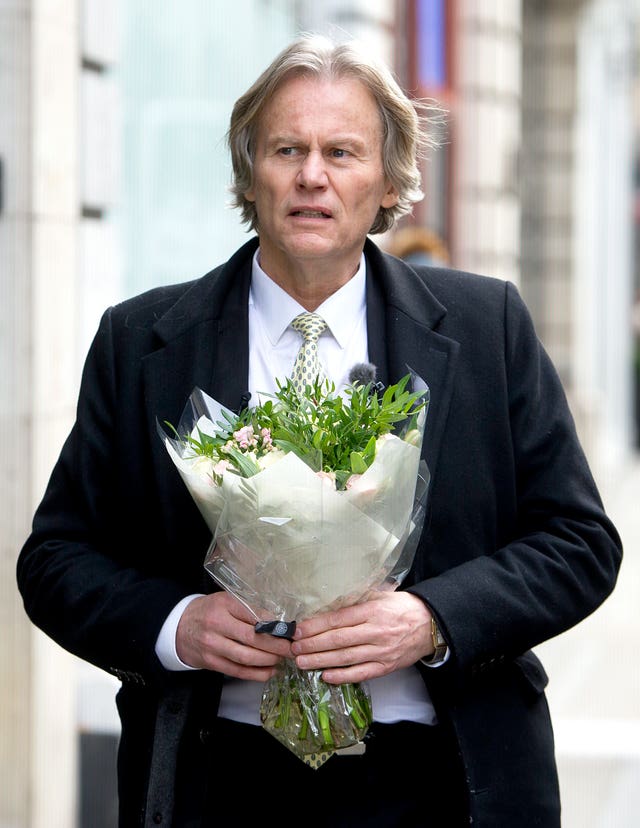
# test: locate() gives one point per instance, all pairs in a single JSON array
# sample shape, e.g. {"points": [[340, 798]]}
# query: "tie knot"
{"points": [[310, 325]]}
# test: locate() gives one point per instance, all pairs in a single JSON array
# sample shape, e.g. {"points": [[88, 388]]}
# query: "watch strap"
{"points": [[439, 644]]}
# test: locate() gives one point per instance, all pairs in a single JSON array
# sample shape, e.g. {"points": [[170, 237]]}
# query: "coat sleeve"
{"points": [[85, 572], [551, 555]]}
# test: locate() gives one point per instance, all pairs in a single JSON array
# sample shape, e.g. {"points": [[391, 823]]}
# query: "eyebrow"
{"points": [[333, 141]]}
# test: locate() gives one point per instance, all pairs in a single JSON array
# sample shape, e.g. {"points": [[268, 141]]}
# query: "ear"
{"points": [[250, 195], [390, 198]]}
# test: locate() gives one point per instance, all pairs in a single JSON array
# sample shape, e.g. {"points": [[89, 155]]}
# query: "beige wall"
{"points": [[486, 132], [38, 234]]}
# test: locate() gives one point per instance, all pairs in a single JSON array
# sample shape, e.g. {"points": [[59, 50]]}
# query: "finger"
{"points": [[333, 641], [337, 658], [242, 634], [218, 648], [238, 622], [336, 619], [250, 672], [210, 633], [354, 673], [235, 607]]}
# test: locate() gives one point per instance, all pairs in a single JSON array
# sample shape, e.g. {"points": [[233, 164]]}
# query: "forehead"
{"points": [[321, 104]]}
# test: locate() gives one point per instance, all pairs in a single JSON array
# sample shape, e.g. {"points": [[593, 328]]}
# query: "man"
{"points": [[516, 547]]}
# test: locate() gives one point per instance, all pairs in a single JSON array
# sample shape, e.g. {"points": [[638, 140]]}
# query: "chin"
{"points": [[312, 246]]}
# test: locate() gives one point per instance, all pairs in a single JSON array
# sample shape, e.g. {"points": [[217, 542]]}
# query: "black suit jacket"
{"points": [[516, 547]]}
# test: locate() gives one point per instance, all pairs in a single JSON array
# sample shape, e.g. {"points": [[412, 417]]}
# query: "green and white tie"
{"points": [[307, 368]]}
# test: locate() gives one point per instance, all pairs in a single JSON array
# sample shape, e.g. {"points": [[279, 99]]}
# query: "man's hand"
{"points": [[391, 631], [216, 632]]}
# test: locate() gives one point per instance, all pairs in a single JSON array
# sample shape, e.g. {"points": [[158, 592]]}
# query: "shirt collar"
{"points": [[277, 308]]}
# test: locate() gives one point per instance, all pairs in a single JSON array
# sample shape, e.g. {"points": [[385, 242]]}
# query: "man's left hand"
{"points": [[371, 639]]}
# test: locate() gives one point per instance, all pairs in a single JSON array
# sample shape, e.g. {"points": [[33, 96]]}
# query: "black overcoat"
{"points": [[516, 547]]}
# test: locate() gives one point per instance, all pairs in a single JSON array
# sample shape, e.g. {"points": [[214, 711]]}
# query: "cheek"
{"points": [[369, 194], [264, 191]]}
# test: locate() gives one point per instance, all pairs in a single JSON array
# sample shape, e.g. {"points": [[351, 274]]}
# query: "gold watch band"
{"points": [[439, 643]]}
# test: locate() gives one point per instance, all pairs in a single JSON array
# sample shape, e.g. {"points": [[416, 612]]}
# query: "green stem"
{"points": [[357, 705], [284, 707], [323, 722], [304, 724]]}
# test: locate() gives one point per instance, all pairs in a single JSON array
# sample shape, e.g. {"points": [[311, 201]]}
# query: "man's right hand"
{"points": [[217, 632]]}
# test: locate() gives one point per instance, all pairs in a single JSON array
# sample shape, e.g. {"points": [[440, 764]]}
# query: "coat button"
{"points": [[157, 817], [205, 736]]}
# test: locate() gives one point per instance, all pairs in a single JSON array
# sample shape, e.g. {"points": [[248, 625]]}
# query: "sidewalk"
{"points": [[594, 690]]}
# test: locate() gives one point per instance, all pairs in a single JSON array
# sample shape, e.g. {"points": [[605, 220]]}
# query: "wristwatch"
{"points": [[439, 644]]}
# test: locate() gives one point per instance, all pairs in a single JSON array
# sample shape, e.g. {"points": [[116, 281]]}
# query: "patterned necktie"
{"points": [[307, 368]]}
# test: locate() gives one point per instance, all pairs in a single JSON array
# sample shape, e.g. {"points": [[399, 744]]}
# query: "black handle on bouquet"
{"points": [[281, 629]]}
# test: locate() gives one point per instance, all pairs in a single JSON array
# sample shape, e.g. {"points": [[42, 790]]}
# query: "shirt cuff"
{"points": [[439, 662], [166, 641]]}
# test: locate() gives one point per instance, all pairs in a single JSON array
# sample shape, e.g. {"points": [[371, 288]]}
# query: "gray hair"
{"points": [[405, 134]]}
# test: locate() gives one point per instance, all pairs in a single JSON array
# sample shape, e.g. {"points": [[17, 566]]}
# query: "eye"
{"points": [[286, 151], [338, 152]]}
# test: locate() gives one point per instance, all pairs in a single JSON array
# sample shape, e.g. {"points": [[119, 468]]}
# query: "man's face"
{"points": [[318, 178]]}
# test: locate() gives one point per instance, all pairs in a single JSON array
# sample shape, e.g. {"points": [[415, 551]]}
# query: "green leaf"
{"points": [[329, 431], [245, 464], [318, 439], [358, 464]]}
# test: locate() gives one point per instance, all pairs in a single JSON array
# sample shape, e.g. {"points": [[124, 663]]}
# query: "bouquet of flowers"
{"points": [[314, 500]]}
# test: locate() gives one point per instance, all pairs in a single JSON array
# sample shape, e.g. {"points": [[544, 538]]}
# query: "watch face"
{"points": [[436, 635]]}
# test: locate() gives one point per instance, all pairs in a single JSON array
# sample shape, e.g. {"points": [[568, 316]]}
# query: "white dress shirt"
{"points": [[273, 345]]}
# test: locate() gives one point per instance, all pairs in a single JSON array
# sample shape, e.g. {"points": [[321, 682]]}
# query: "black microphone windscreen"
{"points": [[363, 373], [244, 401]]}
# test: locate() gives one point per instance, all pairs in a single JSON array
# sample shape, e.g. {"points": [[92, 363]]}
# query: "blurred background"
{"points": [[113, 177]]}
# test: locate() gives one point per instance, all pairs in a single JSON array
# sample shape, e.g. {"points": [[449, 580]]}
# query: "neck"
{"points": [[311, 283]]}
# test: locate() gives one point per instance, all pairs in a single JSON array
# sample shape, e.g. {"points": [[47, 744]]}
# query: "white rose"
{"points": [[204, 467], [270, 458]]}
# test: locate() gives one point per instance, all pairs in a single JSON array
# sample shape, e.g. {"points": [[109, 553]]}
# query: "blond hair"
{"points": [[404, 121]]}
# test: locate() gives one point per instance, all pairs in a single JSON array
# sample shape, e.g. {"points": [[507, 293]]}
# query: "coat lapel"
{"points": [[203, 342], [402, 319]]}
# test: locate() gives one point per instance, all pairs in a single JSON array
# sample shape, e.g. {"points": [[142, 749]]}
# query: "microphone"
{"points": [[364, 373]]}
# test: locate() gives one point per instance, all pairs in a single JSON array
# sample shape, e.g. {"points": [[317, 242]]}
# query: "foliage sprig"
{"points": [[331, 432]]}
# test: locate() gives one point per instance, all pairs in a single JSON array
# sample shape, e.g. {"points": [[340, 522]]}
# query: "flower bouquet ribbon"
{"points": [[315, 501]]}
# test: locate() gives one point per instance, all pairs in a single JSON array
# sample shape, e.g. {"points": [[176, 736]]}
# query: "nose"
{"points": [[312, 173]]}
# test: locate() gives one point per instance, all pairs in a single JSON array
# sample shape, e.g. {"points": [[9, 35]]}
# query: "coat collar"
{"points": [[204, 338], [403, 320]]}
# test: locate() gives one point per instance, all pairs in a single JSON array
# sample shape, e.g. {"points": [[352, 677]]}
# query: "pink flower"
{"points": [[328, 478], [244, 436], [220, 467]]}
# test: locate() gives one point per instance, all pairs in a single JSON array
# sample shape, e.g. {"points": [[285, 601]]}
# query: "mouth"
{"points": [[314, 214]]}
